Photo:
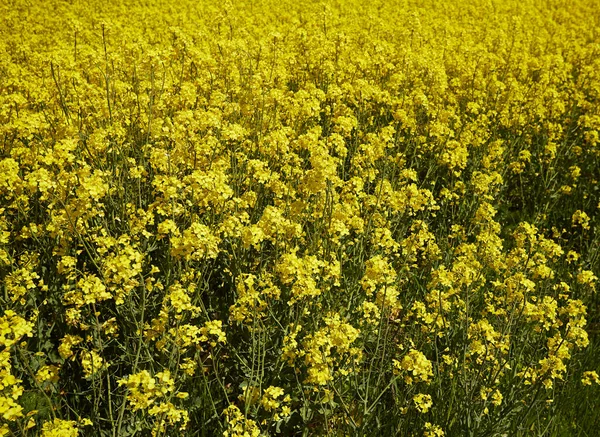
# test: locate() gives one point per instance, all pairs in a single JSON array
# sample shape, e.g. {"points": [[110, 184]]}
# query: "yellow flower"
{"points": [[48, 373], [433, 431], [582, 219], [66, 345], [13, 328], [269, 400], [417, 364], [238, 425], [92, 363], [423, 402], [60, 428], [590, 377]]}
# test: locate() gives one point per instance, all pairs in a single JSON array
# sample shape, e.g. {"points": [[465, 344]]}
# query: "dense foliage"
{"points": [[260, 218]]}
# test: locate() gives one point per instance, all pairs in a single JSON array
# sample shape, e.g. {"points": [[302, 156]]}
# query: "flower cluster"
{"points": [[262, 218]]}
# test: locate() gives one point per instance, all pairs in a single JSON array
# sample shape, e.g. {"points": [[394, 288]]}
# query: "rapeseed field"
{"points": [[299, 218]]}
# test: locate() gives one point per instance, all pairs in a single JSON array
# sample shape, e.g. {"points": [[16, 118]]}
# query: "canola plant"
{"points": [[299, 218]]}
